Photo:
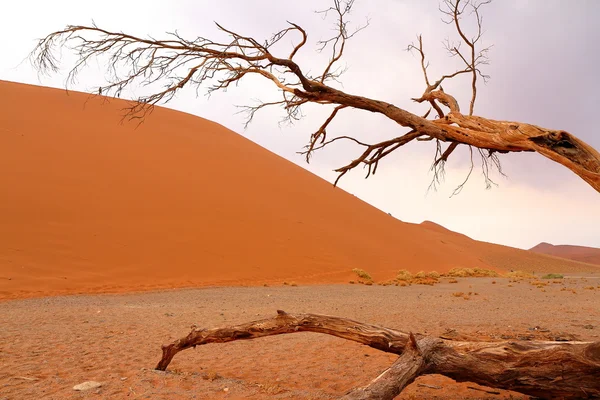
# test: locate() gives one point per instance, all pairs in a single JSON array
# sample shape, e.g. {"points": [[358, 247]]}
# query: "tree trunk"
{"points": [[569, 370]]}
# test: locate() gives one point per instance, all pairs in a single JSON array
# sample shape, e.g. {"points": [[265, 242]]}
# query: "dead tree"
{"points": [[181, 63], [545, 369], [569, 370]]}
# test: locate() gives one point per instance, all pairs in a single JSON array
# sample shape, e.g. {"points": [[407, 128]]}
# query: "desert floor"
{"points": [[48, 345]]}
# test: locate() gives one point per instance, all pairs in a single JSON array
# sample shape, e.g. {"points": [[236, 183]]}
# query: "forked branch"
{"points": [[537, 368], [218, 64]]}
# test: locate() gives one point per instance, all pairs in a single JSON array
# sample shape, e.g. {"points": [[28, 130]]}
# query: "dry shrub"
{"points": [[404, 275], [519, 275], [553, 276], [368, 283], [471, 272], [211, 375], [362, 274], [493, 282], [463, 295], [420, 278], [424, 281], [452, 281], [352, 282], [589, 288], [271, 388], [538, 284]]}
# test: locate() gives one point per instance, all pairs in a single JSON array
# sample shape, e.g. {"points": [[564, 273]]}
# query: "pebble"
{"points": [[87, 385]]}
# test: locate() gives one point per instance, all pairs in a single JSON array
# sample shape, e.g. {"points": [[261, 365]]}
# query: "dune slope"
{"points": [[92, 205]]}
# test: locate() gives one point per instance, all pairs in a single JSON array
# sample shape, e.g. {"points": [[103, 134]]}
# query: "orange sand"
{"points": [[590, 255], [92, 205]]}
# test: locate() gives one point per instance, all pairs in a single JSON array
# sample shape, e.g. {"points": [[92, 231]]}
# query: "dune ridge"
{"points": [[92, 205], [590, 255]]}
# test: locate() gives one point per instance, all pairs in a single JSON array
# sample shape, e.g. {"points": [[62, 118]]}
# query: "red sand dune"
{"points": [[92, 205], [590, 255]]}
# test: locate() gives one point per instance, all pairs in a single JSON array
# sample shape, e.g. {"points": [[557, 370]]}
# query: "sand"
{"points": [[590, 255], [49, 345], [94, 206]]}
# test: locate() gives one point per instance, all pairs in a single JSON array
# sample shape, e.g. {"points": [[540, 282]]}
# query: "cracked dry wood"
{"points": [[539, 368]]}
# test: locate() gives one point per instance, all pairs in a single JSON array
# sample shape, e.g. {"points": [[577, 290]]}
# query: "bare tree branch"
{"points": [[178, 62]]}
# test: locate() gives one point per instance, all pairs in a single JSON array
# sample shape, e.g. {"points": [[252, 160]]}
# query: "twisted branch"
{"points": [[178, 63]]}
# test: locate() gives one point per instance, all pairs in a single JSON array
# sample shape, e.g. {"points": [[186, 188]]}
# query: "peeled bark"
{"points": [[569, 370]]}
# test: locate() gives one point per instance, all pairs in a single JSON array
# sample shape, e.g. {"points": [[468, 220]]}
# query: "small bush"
{"points": [[452, 281], [362, 274], [553, 276], [520, 275], [424, 281], [471, 272], [404, 275]]}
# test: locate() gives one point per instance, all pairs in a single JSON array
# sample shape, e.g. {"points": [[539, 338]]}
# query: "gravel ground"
{"points": [[48, 345]]}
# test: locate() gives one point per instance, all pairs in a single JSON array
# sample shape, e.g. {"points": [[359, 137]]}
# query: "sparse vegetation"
{"points": [[553, 276], [471, 272], [224, 62], [404, 275], [519, 275], [362, 274], [461, 294]]}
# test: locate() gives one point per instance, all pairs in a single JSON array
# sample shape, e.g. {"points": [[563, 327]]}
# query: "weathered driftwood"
{"points": [[546, 369]]}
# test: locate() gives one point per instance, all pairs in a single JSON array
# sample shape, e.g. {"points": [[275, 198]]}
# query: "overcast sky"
{"points": [[543, 71]]}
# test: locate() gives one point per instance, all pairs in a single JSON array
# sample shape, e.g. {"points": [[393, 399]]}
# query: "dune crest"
{"points": [[92, 205], [584, 254]]}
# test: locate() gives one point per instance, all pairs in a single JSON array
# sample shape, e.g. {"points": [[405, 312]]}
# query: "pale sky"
{"points": [[543, 71]]}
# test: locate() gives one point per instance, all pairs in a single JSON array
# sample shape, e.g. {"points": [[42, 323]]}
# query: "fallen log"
{"points": [[546, 369]]}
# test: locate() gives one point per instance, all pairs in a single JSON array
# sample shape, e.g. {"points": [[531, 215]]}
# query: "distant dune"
{"points": [[590, 255], [92, 205]]}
